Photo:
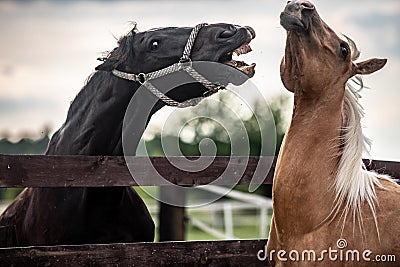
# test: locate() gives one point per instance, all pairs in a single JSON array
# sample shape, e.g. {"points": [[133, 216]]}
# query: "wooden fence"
{"points": [[93, 171]]}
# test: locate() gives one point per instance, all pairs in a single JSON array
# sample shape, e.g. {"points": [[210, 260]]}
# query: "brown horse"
{"points": [[52, 216], [328, 209]]}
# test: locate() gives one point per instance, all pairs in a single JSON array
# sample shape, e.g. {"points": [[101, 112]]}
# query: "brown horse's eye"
{"points": [[344, 50], [154, 45]]}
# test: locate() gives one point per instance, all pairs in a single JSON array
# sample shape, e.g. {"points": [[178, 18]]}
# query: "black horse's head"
{"points": [[145, 52]]}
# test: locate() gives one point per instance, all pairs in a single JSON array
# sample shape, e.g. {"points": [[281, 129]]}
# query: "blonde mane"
{"points": [[354, 184]]}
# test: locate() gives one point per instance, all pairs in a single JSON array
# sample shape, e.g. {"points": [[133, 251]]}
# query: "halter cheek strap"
{"points": [[184, 64]]}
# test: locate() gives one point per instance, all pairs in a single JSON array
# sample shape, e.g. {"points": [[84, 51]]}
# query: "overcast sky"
{"points": [[48, 49]]}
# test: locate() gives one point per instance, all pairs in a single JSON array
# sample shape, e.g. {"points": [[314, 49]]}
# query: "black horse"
{"points": [[52, 216]]}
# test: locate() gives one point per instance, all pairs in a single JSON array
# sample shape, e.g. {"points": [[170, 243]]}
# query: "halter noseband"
{"points": [[183, 64]]}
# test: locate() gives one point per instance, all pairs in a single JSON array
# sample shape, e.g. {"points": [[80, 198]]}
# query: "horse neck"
{"points": [[307, 163], [95, 118]]}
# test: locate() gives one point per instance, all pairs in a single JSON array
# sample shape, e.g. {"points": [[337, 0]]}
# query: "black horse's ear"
{"points": [[120, 55], [108, 65], [110, 61]]}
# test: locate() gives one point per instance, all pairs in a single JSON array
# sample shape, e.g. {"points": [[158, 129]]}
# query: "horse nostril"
{"points": [[295, 6], [252, 31], [307, 5], [227, 33]]}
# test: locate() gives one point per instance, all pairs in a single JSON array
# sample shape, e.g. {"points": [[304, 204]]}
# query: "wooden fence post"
{"points": [[171, 226]]}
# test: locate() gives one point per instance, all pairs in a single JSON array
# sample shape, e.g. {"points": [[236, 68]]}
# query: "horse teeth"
{"points": [[243, 49], [247, 49], [249, 70], [232, 63]]}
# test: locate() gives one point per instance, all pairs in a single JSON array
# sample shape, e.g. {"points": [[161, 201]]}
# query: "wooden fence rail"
{"points": [[100, 171], [194, 253]]}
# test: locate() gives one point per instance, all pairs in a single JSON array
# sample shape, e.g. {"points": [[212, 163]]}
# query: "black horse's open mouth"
{"points": [[244, 48]]}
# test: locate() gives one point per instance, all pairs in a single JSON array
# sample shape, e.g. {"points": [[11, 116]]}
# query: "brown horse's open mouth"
{"points": [[244, 48]]}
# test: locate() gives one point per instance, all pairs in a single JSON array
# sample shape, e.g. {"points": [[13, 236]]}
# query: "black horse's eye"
{"points": [[344, 50], [154, 45]]}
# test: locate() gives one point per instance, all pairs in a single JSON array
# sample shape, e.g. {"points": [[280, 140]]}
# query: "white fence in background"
{"points": [[237, 201], [242, 201]]}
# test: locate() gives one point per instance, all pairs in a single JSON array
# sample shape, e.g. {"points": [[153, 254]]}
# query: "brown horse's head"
{"points": [[315, 57]]}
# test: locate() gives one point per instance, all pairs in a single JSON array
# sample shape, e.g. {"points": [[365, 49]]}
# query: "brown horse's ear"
{"points": [[370, 66]]}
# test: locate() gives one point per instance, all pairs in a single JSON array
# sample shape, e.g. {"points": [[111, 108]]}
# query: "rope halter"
{"points": [[183, 64]]}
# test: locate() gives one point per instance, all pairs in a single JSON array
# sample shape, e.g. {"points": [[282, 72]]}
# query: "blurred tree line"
{"points": [[207, 121], [23, 146]]}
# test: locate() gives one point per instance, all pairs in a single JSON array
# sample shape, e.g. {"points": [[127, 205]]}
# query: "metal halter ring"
{"points": [[184, 60], [185, 63], [141, 78]]}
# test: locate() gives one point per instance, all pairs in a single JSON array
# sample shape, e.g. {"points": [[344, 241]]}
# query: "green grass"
{"points": [[194, 233]]}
